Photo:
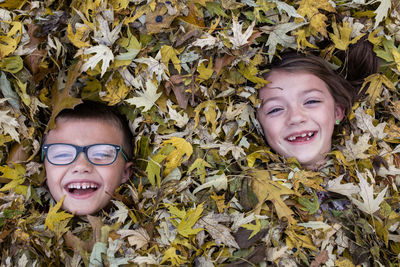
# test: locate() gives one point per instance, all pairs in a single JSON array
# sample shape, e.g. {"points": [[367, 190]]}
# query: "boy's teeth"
{"points": [[82, 185], [303, 135]]}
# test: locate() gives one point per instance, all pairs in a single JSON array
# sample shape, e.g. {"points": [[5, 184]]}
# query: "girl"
{"points": [[302, 104]]}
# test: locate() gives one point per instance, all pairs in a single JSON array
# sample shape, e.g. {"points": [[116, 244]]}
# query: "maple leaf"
{"points": [[278, 35], [364, 122], [357, 150], [168, 53], [255, 228], [341, 36], [116, 90], [102, 53], [219, 232], [382, 11], [171, 255], [346, 189], [8, 125], [54, 217], [189, 220], [81, 30], [104, 36], [207, 40], [310, 9], [139, 237], [180, 120], [219, 182], [147, 98], [10, 41], [200, 164], [266, 189], [16, 175], [121, 213], [376, 82], [239, 39], [183, 151], [155, 66], [370, 204]]}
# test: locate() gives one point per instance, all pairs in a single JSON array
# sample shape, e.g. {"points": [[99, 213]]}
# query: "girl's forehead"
{"points": [[283, 82]]}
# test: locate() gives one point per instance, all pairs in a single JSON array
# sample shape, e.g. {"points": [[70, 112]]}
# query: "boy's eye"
{"points": [[62, 155], [312, 101], [102, 155], [274, 110]]}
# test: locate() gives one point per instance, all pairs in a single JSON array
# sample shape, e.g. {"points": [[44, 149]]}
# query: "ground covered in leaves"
{"points": [[207, 190]]}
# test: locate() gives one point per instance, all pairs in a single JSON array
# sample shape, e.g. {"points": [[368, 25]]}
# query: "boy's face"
{"points": [[87, 187], [298, 116]]}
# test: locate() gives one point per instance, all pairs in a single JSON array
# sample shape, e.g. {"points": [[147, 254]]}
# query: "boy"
{"points": [[88, 179]]}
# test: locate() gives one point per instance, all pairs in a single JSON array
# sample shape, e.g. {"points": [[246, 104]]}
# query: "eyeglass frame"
{"points": [[83, 149]]}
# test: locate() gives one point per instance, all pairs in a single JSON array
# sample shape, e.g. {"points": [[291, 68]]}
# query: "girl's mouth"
{"points": [[301, 137], [81, 189]]}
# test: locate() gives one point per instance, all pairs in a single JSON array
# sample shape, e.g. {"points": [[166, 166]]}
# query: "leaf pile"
{"points": [[207, 190]]}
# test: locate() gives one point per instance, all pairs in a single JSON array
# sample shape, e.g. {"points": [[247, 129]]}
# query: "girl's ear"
{"points": [[127, 172], [339, 112]]}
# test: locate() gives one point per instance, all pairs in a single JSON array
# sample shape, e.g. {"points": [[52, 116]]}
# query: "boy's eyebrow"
{"points": [[277, 97]]}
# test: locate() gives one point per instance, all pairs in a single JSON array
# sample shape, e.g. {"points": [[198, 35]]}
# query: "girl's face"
{"points": [[298, 115]]}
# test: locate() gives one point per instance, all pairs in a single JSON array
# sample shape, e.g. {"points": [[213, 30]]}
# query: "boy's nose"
{"points": [[81, 164], [296, 116]]}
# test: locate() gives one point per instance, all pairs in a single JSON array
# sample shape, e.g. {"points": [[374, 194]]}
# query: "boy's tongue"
{"points": [[80, 192]]}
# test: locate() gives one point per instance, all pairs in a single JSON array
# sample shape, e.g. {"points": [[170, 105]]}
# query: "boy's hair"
{"points": [[341, 90], [99, 111]]}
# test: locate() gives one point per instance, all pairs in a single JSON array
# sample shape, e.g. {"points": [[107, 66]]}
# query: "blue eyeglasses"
{"points": [[96, 154]]}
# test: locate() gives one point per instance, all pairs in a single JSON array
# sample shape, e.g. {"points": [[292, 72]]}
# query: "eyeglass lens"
{"points": [[65, 154]]}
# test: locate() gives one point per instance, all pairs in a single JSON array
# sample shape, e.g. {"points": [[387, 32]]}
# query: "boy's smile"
{"points": [[298, 115], [87, 187]]}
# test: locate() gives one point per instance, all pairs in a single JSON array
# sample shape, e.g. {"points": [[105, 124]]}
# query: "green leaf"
{"points": [[310, 206]]}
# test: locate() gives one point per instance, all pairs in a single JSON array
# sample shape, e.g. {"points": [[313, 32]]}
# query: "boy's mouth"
{"points": [[301, 137], [81, 188]]}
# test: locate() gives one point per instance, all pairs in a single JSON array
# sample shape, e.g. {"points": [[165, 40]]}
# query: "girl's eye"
{"points": [[275, 110], [312, 101]]}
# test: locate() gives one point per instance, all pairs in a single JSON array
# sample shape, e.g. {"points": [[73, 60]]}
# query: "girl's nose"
{"points": [[296, 115]]}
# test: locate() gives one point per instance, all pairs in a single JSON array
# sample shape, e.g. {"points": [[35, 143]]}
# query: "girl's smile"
{"points": [[298, 114]]}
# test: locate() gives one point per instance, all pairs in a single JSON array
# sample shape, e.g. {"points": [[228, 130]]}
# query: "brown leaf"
{"points": [[63, 100], [320, 259], [159, 20], [242, 237], [256, 256], [177, 86], [222, 62]]}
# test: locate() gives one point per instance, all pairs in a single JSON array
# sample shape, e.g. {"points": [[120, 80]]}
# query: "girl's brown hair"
{"points": [[341, 90]]}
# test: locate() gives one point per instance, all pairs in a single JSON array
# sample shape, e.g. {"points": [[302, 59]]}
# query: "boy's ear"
{"points": [[339, 112], [127, 172]]}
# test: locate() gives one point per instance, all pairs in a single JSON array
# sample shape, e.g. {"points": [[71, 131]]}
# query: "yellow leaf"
{"points": [[307, 178], [170, 255], [266, 189], [396, 56], [297, 240], [205, 73], [343, 262], [263, 155], [116, 90], [153, 169], [182, 153], [341, 36], [220, 201], [168, 53], [185, 226], [16, 175], [10, 41], [210, 114], [253, 227], [80, 33], [310, 9], [302, 39], [53, 217], [200, 164], [176, 211], [376, 82]]}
